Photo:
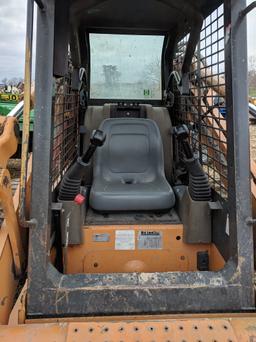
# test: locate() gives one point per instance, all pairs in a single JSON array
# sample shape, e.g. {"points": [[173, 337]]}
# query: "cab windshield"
{"points": [[125, 66]]}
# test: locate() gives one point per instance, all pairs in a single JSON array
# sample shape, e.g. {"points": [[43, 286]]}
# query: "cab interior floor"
{"points": [[96, 218]]}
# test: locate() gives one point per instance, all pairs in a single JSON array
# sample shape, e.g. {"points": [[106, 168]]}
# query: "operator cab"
{"points": [[146, 208], [128, 172]]}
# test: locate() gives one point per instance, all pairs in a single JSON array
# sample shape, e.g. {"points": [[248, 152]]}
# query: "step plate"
{"points": [[135, 329], [177, 330]]}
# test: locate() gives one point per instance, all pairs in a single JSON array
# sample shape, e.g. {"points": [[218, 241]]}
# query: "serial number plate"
{"points": [[150, 240]]}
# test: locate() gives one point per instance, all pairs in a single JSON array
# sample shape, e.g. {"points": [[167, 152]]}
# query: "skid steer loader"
{"points": [[133, 217]]}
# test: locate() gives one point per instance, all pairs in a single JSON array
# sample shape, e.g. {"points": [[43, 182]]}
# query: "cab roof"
{"points": [[140, 15]]}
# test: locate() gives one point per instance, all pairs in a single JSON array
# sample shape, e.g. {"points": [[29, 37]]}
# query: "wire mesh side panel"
{"points": [[65, 134], [204, 109]]}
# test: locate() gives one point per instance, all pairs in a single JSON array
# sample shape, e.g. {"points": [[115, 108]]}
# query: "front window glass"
{"points": [[125, 66]]}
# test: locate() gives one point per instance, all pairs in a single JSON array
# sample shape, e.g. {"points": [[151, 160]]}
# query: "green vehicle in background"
{"points": [[8, 102], [12, 105]]}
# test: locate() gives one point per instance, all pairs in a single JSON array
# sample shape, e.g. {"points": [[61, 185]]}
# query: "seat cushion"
{"points": [[129, 169], [107, 196]]}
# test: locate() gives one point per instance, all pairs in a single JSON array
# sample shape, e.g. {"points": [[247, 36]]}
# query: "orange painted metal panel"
{"points": [[34, 332], [239, 329], [96, 256], [8, 282], [8, 139], [10, 223]]}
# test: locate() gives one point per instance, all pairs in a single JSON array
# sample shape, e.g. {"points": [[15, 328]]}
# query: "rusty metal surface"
{"points": [[13, 241], [238, 329], [10, 224], [166, 328], [11, 247], [8, 281]]}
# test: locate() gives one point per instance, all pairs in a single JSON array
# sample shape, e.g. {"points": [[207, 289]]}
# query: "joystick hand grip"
{"points": [[97, 139]]}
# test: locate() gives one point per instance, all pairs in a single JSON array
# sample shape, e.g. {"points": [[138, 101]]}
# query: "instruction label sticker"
{"points": [[150, 240], [101, 237], [125, 239]]}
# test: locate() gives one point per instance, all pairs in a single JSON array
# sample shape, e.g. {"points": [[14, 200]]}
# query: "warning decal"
{"points": [[125, 239], [150, 240]]}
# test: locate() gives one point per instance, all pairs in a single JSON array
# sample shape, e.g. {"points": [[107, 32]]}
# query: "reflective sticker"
{"points": [[150, 240], [125, 239]]}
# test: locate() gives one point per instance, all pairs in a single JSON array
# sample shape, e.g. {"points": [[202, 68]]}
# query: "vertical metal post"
{"points": [[238, 147], [26, 109], [41, 174]]}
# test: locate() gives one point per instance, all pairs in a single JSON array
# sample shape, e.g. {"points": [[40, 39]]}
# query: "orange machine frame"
{"points": [[102, 257]]}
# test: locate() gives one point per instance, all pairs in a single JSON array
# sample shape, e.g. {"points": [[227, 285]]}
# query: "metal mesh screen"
{"points": [[204, 109], [65, 135]]}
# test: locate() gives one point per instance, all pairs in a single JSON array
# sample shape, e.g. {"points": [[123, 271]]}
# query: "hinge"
{"points": [[250, 221], [32, 223]]}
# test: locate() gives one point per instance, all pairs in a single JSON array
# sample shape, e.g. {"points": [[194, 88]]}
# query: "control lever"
{"points": [[182, 133], [97, 139], [199, 188], [71, 183]]}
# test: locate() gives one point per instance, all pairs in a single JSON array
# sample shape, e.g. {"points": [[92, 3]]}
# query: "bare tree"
{"points": [[111, 74], [252, 73], [151, 72], [252, 63]]}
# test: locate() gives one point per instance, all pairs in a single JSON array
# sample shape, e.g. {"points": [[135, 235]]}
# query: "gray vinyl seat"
{"points": [[128, 170]]}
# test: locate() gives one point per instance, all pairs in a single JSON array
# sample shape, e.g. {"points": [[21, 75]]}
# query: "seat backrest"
{"points": [[132, 153], [162, 118]]}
